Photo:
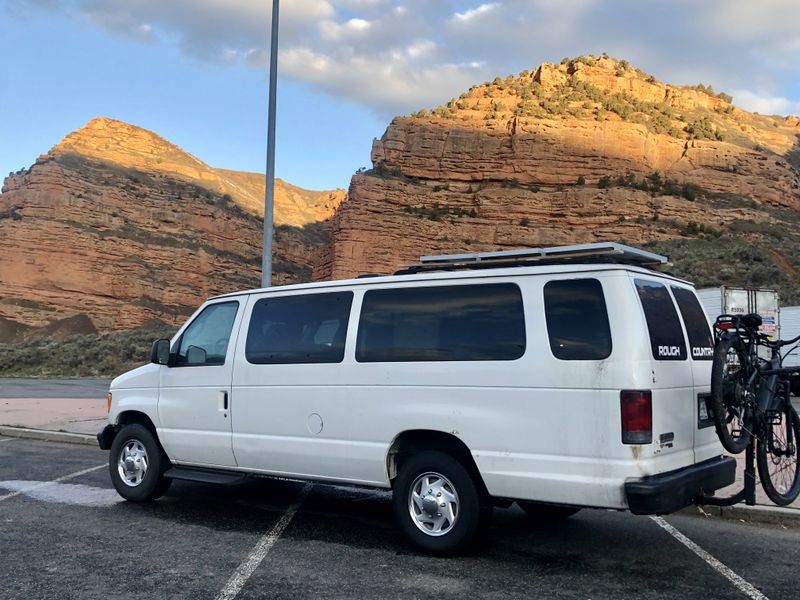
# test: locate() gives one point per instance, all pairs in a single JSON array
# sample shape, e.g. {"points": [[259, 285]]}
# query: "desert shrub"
{"points": [[704, 129]]}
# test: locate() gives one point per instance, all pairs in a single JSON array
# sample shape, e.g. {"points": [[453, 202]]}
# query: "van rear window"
{"points": [[700, 340], [298, 329], [447, 323], [666, 335], [577, 319]]}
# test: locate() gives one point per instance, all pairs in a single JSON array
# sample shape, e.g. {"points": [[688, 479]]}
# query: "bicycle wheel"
{"points": [[776, 456], [731, 391]]}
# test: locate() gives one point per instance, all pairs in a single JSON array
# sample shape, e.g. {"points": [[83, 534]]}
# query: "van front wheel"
{"points": [[438, 504], [137, 463]]}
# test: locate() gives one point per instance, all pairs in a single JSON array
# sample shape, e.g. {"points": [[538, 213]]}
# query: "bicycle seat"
{"points": [[751, 321]]}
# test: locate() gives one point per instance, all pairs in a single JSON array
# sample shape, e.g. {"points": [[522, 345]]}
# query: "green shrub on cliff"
{"points": [[704, 129]]}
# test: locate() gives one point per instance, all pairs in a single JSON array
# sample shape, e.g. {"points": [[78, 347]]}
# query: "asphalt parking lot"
{"points": [[64, 533]]}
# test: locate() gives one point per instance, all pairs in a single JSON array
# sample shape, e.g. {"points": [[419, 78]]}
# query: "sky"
{"points": [[196, 71]]}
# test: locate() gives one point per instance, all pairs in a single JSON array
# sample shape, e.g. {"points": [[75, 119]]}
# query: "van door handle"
{"points": [[224, 398]]}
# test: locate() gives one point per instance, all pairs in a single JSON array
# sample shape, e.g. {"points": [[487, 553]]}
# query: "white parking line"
{"points": [[740, 584], [59, 480], [7, 439], [260, 550]]}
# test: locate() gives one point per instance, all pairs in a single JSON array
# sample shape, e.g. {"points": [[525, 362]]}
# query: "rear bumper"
{"points": [[665, 493]]}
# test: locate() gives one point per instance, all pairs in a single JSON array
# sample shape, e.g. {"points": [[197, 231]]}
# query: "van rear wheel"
{"points": [[439, 505], [546, 512], [137, 464]]}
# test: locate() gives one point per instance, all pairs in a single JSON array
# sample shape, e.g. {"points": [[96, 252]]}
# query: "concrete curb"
{"points": [[47, 435], [771, 515]]}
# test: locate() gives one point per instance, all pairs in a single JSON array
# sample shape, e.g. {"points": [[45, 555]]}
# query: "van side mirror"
{"points": [[159, 354]]}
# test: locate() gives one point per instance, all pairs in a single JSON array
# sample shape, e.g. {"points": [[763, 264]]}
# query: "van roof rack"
{"points": [[602, 252]]}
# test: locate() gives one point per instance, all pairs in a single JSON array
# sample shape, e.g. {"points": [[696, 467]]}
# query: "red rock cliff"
{"points": [[589, 150], [120, 226]]}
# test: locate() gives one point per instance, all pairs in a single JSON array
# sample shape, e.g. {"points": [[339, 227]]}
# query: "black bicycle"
{"points": [[751, 399]]}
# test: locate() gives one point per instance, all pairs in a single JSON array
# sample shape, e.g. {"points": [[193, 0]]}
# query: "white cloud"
{"points": [[332, 31], [360, 4], [392, 83], [765, 103], [748, 19], [474, 13], [420, 48], [400, 55]]}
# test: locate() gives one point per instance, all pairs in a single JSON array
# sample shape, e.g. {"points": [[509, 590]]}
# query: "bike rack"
{"points": [[748, 493]]}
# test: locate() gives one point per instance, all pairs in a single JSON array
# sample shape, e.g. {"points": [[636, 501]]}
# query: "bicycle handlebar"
{"points": [[781, 343]]}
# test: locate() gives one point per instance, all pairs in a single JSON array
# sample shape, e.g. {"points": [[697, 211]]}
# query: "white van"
{"points": [[559, 378]]}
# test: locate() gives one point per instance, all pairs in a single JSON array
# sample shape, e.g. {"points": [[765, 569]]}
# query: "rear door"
{"points": [[672, 381], [701, 353]]}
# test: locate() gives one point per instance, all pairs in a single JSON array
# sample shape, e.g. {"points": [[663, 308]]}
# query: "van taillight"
{"points": [[636, 407]]}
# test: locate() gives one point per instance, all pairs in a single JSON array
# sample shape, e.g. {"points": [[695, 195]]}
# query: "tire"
{"points": [[425, 482], [730, 393], [144, 480], [546, 512], [777, 460]]}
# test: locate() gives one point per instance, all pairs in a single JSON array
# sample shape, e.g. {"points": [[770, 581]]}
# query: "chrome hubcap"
{"points": [[433, 504], [132, 463]]}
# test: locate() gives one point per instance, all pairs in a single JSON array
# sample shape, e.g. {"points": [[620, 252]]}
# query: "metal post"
{"points": [[269, 195]]}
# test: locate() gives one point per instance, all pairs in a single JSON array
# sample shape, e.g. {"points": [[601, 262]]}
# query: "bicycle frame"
{"points": [[772, 382]]}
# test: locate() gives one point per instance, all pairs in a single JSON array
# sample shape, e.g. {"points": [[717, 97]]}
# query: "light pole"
{"points": [[269, 194]]}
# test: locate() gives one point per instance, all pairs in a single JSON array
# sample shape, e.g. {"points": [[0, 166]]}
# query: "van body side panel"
{"points": [[538, 428], [303, 419], [566, 444], [136, 390], [143, 400]]}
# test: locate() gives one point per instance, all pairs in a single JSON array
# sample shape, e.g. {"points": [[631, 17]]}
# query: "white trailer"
{"points": [[790, 328], [741, 301]]}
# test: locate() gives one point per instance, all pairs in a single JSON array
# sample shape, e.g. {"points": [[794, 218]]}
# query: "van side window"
{"points": [[666, 336], [700, 340], [298, 329], [443, 323], [205, 340], [577, 319]]}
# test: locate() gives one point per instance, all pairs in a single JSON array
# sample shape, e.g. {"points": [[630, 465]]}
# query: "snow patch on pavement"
{"points": [[76, 494]]}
